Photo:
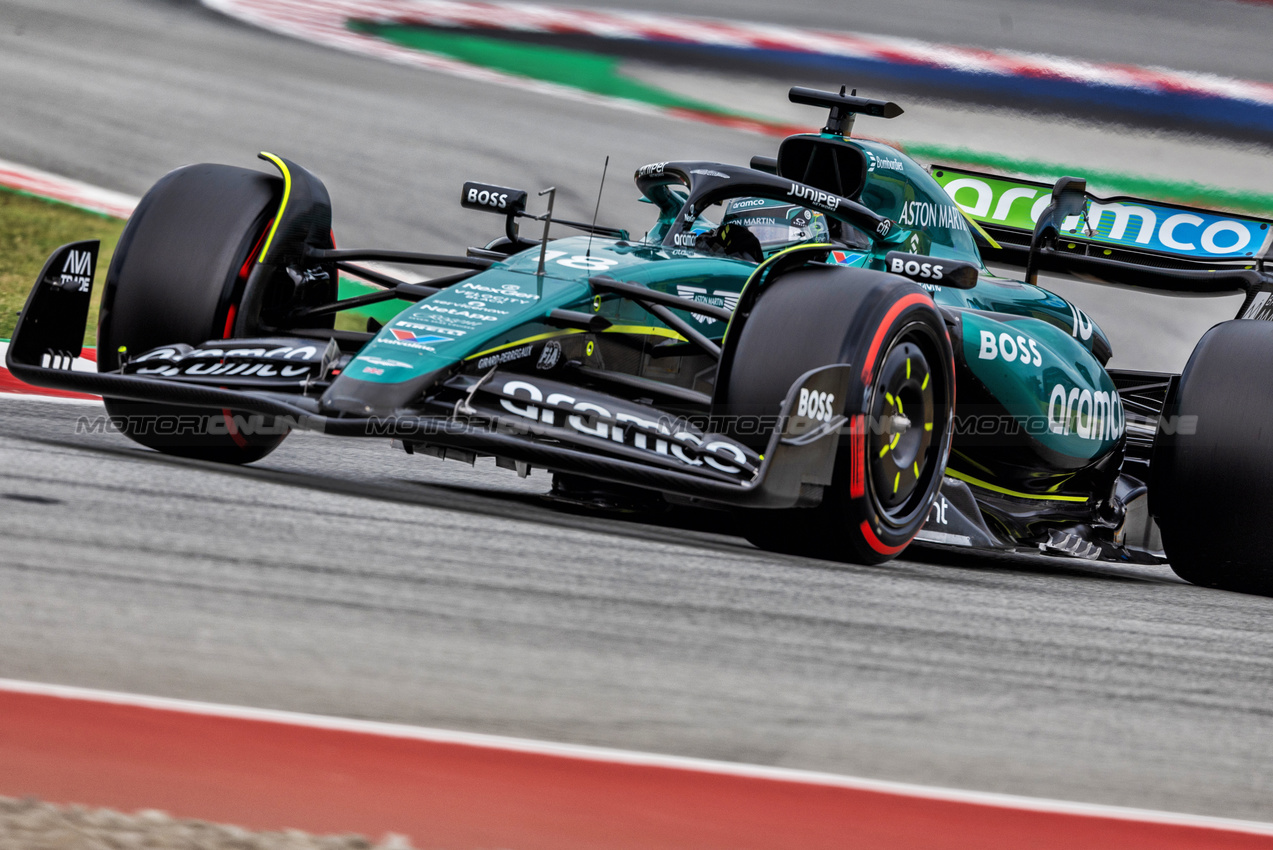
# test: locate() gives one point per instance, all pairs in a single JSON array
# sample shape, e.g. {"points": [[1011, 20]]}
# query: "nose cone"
{"points": [[353, 397]]}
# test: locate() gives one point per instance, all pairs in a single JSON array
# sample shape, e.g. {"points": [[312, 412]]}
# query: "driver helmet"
{"points": [[776, 224]]}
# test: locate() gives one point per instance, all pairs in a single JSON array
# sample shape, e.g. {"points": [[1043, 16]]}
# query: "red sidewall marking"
{"points": [[229, 321], [858, 488], [246, 268], [877, 544], [267, 774], [230, 314], [868, 366], [857, 445]]}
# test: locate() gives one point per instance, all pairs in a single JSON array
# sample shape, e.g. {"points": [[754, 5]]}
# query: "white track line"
{"points": [[80, 364], [629, 757], [50, 399]]}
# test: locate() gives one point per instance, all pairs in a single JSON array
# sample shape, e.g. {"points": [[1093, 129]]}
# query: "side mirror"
{"points": [[1069, 198], [767, 164]]}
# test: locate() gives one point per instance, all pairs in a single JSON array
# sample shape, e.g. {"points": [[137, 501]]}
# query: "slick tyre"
{"points": [[1212, 466], [892, 454], [177, 277]]}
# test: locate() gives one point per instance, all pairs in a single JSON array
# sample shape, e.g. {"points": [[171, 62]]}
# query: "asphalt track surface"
{"points": [[1213, 36], [350, 579]]}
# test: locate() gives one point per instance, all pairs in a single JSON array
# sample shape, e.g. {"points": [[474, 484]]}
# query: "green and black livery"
{"points": [[844, 397]]}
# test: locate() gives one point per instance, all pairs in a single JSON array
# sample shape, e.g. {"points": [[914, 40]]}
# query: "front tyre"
{"points": [[177, 276], [1212, 467], [892, 454]]}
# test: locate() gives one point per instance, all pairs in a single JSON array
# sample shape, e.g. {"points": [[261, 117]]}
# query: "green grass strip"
{"points": [[590, 72], [382, 312], [32, 228]]}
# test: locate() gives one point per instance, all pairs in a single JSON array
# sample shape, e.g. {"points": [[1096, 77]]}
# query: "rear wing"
{"points": [[1121, 240]]}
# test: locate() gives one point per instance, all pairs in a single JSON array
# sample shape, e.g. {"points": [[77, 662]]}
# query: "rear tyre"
{"points": [[887, 472], [177, 277], [1212, 483]]}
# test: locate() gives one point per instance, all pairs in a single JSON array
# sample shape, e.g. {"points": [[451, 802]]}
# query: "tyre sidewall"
{"points": [[1212, 465], [176, 273], [813, 317]]}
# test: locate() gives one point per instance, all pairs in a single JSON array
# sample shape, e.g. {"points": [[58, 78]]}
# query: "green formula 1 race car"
{"points": [[813, 342]]}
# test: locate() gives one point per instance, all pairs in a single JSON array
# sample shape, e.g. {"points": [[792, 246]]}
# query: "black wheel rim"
{"points": [[906, 424]]}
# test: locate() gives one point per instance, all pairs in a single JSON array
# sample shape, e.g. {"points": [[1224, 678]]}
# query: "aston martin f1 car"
{"points": [[814, 342]]}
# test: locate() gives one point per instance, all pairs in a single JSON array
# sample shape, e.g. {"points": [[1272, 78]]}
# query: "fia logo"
{"points": [[549, 356]]}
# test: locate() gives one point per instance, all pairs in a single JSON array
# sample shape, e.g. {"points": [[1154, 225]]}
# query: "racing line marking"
{"points": [[265, 768]]}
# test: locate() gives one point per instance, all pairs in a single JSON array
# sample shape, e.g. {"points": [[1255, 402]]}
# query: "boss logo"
{"points": [[479, 196], [488, 199], [916, 269], [816, 405], [932, 272], [1013, 349]]}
